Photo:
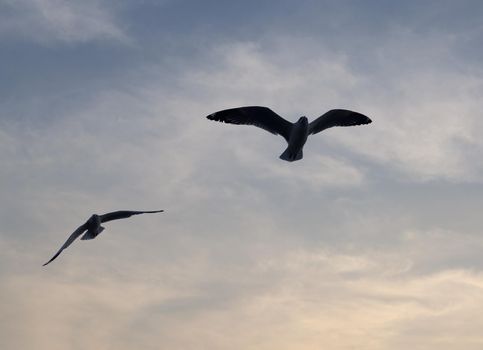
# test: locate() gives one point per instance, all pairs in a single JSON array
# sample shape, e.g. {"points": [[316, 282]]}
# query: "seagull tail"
{"points": [[290, 156], [92, 234]]}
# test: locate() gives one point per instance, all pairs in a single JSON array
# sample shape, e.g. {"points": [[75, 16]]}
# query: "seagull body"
{"points": [[296, 141], [93, 227], [295, 134]]}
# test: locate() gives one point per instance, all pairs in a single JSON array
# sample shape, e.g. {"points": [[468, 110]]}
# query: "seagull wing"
{"points": [[337, 117], [123, 214], [262, 117], [79, 231]]}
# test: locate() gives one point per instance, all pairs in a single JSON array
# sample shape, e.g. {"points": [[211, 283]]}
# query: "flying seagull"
{"points": [[294, 133], [93, 227]]}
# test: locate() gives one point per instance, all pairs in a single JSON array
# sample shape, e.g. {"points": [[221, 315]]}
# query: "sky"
{"points": [[371, 242]]}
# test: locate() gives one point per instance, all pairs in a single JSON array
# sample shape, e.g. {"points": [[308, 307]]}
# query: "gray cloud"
{"points": [[59, 21]]}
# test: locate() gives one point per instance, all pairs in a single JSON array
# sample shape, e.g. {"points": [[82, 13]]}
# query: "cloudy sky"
{"points": [[371, 242]]}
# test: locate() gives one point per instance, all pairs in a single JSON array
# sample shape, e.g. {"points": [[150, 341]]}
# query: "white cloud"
{"points": [[59, 21], [426, 116], [274, 75], [287, 299], [316, 172]]}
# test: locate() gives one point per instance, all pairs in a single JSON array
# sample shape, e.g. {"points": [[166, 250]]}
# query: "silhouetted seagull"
{"points": [[93, 227], [294, 133]]}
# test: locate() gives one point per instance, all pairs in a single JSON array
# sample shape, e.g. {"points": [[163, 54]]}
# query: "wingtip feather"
{"points": [[48, 262]]}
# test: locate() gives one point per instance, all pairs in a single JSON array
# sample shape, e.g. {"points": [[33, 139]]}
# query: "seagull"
{"points": [[294, 133], [93, 227]]}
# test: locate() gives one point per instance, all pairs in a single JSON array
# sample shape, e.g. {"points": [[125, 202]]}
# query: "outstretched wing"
{"points": [[262, 117], [79, 231], [123, 214], [337, 117]]}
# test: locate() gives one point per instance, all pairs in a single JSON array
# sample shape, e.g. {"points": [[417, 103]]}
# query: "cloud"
{"points": [[289, 299], [424, 109], [59, 21], [252, 252]]}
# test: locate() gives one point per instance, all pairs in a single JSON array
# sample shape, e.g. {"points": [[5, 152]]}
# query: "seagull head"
{"points": [[303, 120], [94, 221]]}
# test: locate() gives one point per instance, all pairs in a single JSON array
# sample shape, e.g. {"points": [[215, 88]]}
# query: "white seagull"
{"points": [[294, 133], [93, 227]]}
